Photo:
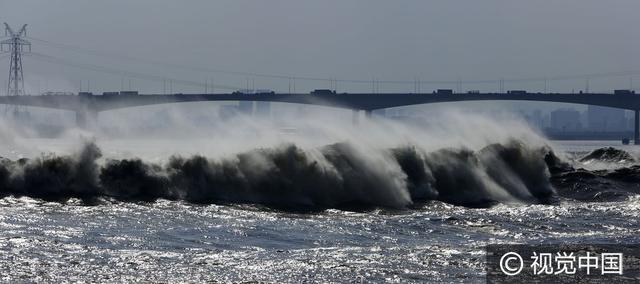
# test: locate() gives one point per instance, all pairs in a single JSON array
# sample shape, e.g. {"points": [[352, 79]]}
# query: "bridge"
{"points": [[87, 106]]}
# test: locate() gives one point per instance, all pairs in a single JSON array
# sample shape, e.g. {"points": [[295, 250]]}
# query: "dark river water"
{"points": [[194, 220]]}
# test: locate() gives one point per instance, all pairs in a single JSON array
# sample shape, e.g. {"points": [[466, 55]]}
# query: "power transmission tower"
{"points": [[16, 45]]}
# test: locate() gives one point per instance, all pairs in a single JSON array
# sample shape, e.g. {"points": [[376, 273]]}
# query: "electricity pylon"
{"points": [[16, 45]]}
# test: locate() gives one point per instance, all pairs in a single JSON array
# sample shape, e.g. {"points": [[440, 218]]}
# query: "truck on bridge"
{"points": [[323, 92], [623, 92], [114, 94], [128, 93], [264, 92], [253, 92]]}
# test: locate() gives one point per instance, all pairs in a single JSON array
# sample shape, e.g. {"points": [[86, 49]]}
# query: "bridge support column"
{"points": [[636, 128], [86, 119]]}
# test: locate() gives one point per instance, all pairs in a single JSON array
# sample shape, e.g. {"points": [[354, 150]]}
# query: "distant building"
{"points": [[263, 109], [538, 119], [245, 107], [534, 119], [227, 112], [606, 119], [565, 120]]}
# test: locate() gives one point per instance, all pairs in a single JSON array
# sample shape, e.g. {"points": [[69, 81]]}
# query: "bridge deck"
{"points": [[87, 106], [360, 101]]}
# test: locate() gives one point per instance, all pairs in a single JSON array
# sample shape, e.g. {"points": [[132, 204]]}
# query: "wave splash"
{"points": [[287, 176], [617, 180], [608, 155]]}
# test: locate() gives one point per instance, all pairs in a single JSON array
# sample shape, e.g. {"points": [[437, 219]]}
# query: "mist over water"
{"points": [[323, 163], [319, 199]]}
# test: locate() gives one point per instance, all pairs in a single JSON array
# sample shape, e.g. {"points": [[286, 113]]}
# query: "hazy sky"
{"points": [[388, 40]]}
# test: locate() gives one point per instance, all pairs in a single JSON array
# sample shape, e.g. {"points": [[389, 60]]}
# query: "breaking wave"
{"points": [[617, 179], [334, 176], [287, 176], [608, 155]]}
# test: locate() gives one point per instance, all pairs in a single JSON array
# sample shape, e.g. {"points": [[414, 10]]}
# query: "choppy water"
{"points": [[124, 238]]}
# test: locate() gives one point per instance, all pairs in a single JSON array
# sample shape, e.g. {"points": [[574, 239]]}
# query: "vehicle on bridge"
{"points": [[264, 92], [444, 92], [323, 92], [129, 93], [253, 92], [516, 92], [623, 92], [121, 93], [243, 92], [110, 94]]}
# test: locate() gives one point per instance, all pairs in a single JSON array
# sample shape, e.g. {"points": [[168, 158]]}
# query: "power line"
{"points": [[172, 65], [117, 72], [336, 80]]}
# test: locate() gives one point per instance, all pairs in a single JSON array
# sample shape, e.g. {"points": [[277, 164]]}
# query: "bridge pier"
{"points": [[86, 119], [636, 128]]}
